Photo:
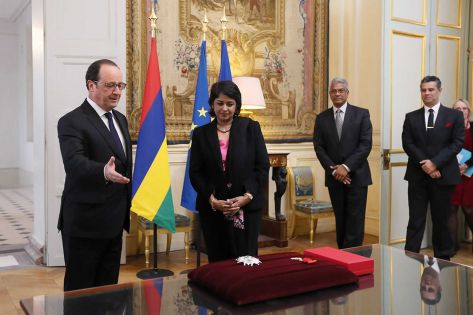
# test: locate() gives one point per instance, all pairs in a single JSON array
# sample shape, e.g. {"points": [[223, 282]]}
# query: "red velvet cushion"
{"points": [[277, 276]]}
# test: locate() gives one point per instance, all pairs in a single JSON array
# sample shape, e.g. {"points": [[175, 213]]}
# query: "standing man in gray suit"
{"points": [[342, 142]]}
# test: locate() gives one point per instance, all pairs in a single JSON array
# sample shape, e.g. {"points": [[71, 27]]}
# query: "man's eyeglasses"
{"points": [[339, 91], [112, 85]]}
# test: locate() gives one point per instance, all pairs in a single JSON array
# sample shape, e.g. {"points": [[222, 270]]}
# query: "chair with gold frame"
{"points": [[302, 200], [145, 230]]}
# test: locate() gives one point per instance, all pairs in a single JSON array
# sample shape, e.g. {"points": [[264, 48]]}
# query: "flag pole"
{"points": [[224, 22], [197, 247], [154, 272]]}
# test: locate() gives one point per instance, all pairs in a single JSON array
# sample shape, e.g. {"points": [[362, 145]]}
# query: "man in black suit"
{"points": [[432, 136], [430, 287], [95, 205], [342, 142]]}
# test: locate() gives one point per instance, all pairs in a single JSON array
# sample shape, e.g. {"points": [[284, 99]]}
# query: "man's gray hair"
{"points": [[338, 80]]}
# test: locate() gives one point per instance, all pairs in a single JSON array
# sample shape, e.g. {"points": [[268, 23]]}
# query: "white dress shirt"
{"points": [[343, 109], [104, 118], [426, 113]]}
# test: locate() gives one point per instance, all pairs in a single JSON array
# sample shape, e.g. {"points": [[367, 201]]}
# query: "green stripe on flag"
{"points": [[165, 215]]}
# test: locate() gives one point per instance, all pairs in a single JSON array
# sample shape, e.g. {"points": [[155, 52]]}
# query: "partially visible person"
{"points": [[430, 287], [431, 137], [463, 194], [229, 168], [95, 204], [342, 142]]}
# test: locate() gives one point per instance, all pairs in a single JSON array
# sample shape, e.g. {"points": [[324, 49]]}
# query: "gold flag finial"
{"points": [[204, 23], [153, 18], [224, 22]]}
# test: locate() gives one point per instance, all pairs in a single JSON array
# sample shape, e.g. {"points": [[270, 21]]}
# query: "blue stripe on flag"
{"points": [[151, 136]]}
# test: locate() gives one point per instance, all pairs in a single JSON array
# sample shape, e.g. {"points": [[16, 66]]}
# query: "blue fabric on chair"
{"points": [[181, 220], [313, 206], [303, 201], [303, 181]]}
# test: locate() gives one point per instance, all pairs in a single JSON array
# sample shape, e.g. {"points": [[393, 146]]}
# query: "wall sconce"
{"points": [[251, 95]]}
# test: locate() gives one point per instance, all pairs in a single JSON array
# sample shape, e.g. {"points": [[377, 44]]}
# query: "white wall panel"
{"points": [[399, 208], [450, 303], [409, 11], [76, 34], [407, 69], [85, 28], [449, 13], [406, 285], [25, 91], [9, 104], [448, 67]]}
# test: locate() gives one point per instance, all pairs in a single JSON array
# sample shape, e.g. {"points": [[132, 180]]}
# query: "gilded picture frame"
{"points": [[282, 42]]}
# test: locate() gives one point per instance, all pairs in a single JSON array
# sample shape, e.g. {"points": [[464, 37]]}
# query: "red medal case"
{"points": [[357, 264]]}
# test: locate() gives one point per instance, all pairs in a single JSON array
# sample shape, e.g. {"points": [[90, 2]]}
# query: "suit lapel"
{"points": [[123, 127], [211, 135], [332, 126], [440, 121], [420, 121], [236, 145], [97, 122], [346, 121]]}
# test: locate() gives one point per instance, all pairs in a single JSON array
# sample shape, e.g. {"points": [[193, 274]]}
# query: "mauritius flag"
{"points": [[151, 195]]}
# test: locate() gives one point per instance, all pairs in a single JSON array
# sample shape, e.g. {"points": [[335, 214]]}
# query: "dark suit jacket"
{"points": [[247, 164], [91, 207], [441, 145], [352, 149]]}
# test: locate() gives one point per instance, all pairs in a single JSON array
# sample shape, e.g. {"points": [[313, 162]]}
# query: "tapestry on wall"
{"points": [[282, 42]]}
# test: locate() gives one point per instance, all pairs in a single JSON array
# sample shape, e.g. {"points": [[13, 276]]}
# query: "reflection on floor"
{"points": [[14, 257], [16, 215]]}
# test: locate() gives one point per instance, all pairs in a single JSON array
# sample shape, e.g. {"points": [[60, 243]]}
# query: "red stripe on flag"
{"points": [[153, 81], [152, 297]]}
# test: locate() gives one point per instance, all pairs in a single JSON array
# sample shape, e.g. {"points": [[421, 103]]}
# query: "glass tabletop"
{"points": [[402, 283]]}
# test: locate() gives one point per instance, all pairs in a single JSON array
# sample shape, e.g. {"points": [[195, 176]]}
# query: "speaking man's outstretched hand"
{"points": [[112, 175]]}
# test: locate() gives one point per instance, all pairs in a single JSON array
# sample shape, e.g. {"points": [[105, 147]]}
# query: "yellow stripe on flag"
{"points": [[154, 187]]}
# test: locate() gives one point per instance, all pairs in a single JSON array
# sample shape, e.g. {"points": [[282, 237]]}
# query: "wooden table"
{"points": [[392, 289]]}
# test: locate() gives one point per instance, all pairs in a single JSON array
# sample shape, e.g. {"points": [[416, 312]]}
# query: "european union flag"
{"points": [[225, 70], [201, 116]]}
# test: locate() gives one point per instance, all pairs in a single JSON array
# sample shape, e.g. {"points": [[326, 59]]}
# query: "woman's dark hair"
{"points": [[227, 88]]}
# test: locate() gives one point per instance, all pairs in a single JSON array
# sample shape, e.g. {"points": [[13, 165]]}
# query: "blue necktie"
{"points": [[114, 133]]}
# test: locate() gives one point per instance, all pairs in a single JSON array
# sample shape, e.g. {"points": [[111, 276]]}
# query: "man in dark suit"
{"points": [[430, 287], [342, 142], [432, 136], [95, 205]]}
